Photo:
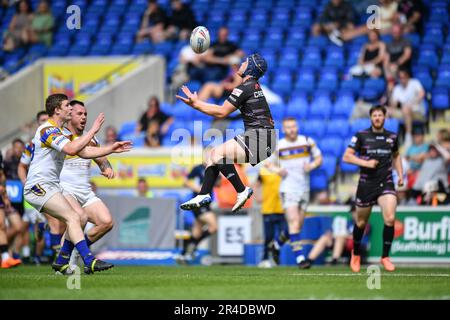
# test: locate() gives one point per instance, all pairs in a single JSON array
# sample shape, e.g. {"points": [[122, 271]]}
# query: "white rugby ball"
{"points": [[200, 39]]}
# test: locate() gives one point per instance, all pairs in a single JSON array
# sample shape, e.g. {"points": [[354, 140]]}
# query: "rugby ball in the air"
{"points": [[200, 39]]}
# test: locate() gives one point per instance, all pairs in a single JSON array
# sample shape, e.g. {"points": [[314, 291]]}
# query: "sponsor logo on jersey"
{"points": [[237, 92], [380, 138], [389, 140], [258, 94]]}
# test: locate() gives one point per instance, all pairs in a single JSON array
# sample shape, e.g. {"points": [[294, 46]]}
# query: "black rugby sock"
{"points": [[357, 236], [388, 236], [204, 235], [211, 174], [229, 172]]}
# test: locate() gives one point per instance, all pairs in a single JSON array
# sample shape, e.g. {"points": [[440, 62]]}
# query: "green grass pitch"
{"points": [[226, 282]]}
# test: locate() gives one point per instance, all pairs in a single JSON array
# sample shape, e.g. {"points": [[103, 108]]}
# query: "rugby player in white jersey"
{"points": [[42, 188], [294, 154], [75, 177], [56, 227]]}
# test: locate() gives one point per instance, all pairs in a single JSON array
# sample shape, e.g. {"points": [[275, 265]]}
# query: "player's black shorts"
{"points": [[259, 144], [368, 193], [199, 211], [2, 204]]}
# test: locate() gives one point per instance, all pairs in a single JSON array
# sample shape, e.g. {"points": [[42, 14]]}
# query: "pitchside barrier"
{"points": [[144, 233]]}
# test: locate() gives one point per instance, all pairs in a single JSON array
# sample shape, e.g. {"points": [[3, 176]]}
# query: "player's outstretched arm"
{"points": [[211, 109], [98, 152], [74, 147], [350, 157]]}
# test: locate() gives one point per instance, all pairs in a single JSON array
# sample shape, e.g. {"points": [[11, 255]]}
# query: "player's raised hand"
{"points": [[190, 99], [372, 163], [98, 122], [121, 146]]}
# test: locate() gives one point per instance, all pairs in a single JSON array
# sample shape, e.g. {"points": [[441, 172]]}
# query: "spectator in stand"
{"points": [[110, 136], [387, 13], [17, 34], [416, 155], [152, 136], [220, 56], [41, 30], [154, 121], [370, 61], [143, 189], [407, 102], [190, 67], [181, 22], [410, 15], [398, 55], [15, 213], [434, 169], [223, 88], [443, 139], [337, 18], [153, 23]]}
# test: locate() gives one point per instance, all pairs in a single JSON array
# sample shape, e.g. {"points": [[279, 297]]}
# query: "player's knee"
{"points": [[73, 218], [107, 224], [389, 220], [212, 228]]}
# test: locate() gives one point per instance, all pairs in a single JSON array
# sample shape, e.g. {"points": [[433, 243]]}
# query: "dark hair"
{"points": [[26, 2], [74, 102], [40, 113], [289, 119], [377, 107], [156, 101], [405, 70], [377, 32], [54, 101], [142, 180], [18, 140]]}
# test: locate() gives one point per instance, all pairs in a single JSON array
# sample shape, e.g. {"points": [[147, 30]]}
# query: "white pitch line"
{"points": [[437, 275]]}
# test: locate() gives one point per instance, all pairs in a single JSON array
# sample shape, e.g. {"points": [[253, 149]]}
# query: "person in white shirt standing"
{"points": [[42, 188], [294, 154], [407, 102], [75, 176]]}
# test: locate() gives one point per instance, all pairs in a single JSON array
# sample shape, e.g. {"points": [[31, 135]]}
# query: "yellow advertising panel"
{"points": [[163, 170], [80, 79]]}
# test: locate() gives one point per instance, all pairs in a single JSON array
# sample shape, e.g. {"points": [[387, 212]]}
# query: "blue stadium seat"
{"points": [[289, 58], [434, 36], [282, 82], [331, 146], [334, 57], [440, 99], [426, 81], [273, 38], [343, 107], [302, 17], [298, 107], [347, 167], [353, 84], [329, 165], [127, 128], [378, 84], [312, 58], [295, 38], [338, 128], [443, 77], [392, 125], [370, 95], [280, 17], [428, 58], [314, 129], [358, 125], [143, 48], [305, 80], [318, 41], [318, 180], [320, 108], [328, 79]]}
